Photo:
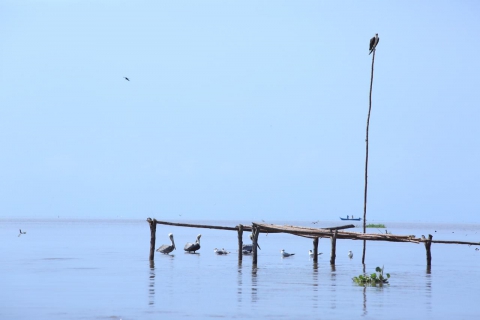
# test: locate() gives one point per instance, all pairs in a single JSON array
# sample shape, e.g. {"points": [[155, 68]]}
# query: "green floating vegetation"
{"points": [[373, 280], [373, 225]]}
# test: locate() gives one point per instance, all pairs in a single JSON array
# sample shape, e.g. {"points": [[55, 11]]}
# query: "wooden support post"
{"points": [[153, 231], [240, 242], [428, 244], [315, 250], [334, 245], [255, 244]]}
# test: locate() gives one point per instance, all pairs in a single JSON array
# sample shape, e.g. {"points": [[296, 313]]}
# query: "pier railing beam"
{"points": [[315, 250], [428, 244], [334, 245], [255, 244], [153, 231], [240, 242]]}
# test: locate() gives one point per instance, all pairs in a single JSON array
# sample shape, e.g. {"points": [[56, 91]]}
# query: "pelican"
{"points": [[189, 247], [248, 248], [223, 251], [24, 232], [166, 249], [126, 78], [310, 253], [286, 254], [350, 254], [373, 43]]}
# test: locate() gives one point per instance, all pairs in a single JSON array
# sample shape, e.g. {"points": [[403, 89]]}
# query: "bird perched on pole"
{"points": [[373, 43]]}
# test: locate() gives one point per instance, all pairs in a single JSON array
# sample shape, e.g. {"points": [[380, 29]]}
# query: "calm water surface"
{"points": [[66, 269]]}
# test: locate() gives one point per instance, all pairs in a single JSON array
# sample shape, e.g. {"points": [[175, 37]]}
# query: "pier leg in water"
{"points": [[240, 242], [428, 244], [334, 245], [153, 231], [315, 250], [255, 231]]}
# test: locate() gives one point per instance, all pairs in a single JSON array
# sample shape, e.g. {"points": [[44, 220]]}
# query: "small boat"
{"points": [[352, 219]]}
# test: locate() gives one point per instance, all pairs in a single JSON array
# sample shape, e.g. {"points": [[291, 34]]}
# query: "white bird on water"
{"points": [[223, 251], [310, 253], [350, 254], [286, 254]]}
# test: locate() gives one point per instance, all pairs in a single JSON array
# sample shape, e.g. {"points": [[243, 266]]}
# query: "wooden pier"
{"points": [[333, 233]]}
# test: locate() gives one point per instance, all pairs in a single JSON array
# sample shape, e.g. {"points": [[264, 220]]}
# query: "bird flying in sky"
{"points": [[127, 79]]}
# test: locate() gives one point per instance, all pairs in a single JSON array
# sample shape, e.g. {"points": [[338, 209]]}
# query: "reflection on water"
{"points": [[315, 285], [151, 285], [428, 286], [254, 283], [239, 282], [333, 275], [364, 296]]}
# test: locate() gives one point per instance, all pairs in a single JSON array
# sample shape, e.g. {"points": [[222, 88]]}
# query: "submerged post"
{"points": [[255, 231], [428, 244], [240, 242], [153, 231], [334, 245], [315, 250]]}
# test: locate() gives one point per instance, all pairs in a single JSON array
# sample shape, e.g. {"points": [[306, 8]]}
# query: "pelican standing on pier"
{"points": [[248, 248], [166, 249], [189, 247], [373, 43]]}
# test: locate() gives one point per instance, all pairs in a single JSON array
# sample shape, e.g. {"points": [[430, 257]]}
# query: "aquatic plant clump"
{"points": [[373, 225], [373, 279]]}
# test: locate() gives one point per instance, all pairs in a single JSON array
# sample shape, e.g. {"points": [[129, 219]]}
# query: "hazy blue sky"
{"points": [[239, 109]]}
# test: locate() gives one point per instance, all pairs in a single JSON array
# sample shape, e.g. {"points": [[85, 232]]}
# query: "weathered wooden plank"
{"points": [[190, 225]]}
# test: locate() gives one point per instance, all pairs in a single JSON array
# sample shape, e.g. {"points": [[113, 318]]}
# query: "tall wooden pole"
{"points": [[240, 242], [428, 244], [333, 255], [315, 250], [153, 231], [366, 163], [255, 232]]}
